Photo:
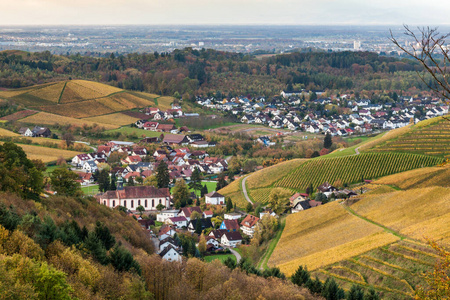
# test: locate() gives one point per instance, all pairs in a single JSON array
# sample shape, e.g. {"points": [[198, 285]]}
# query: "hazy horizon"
{"points": [[213, 12]]}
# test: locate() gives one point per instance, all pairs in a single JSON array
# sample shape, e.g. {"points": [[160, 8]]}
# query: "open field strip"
{"points": [[113, 119], [46, 154], [44, 118]]}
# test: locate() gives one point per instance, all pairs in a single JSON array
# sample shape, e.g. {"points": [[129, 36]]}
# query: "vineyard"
{"points": [[19, 115], [420, 178], [233, 190], [47, 154], [268, 176], [351, 169], [325, 235], [394, 271], [429, 138], [44, 118], [113, 119], [262, 195], [417, 213]]}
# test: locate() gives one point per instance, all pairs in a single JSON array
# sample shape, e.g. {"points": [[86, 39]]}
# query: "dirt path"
{"points": [[244, 190], [236, 254]]}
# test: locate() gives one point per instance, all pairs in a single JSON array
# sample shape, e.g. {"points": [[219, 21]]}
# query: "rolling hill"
{"points": [[377, 239], [81, 98]]}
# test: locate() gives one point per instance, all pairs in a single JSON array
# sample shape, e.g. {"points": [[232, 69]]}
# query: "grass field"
{"points": [[164, 103], [234, 191], [90, 190], [221, 257], [210, 185], [325, 235], [44, 118], [140, 133], [113, 119], [351, 169]]}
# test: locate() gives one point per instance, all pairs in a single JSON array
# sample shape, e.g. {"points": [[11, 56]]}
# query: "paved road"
{"points": [[244, 189], [236, 254]]}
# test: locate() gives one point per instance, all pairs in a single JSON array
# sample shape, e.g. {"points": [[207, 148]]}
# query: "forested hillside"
{"points": [[189, 72], [71, 247]]}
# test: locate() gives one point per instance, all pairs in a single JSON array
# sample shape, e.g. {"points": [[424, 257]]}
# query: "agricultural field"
{"points": [[325, 235], [19, 115], [420, 178], [46, 154], [81, 98], [234, 191], [44, 118], [394, 271], [418, 213], [268, 176], [113, 119], [50, 93], [351, 169], [262, 195], [164, 103], [139, 133], [430, 138], [7, 133]]}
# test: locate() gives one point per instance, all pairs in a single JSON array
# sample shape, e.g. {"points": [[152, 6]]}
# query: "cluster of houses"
{"points": [[179, 221], [181, 162], [301, 201], [35, 132], [363, 117]]}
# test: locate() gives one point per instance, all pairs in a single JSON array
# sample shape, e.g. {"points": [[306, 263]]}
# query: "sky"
{"points": [[234, 12]]}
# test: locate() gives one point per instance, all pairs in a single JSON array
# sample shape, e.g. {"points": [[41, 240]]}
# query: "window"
{"points": [[159, 201], [153, 202], [139, 202], [132, 203], [104, 202], [125, 203], [114, 203], [146, 203]]}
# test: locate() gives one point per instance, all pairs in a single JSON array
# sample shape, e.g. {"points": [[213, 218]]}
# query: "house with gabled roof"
{"points": [[187, 211], [231, 239], [248, 225], [214, 198], [229, 225], [170, 254]]}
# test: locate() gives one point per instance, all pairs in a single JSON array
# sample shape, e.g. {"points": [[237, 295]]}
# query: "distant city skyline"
{"points": [[234, 12]]}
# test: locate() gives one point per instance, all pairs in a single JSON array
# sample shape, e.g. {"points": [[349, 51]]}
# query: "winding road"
{"points": [[236, 254], [244, 190]]}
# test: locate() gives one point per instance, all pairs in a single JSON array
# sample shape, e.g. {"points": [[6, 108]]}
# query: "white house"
{"points": [[178, 221], [231, 239], [80, 159], [89, 166], [232, 216], [214, 198], [248, 225], [170, 254], [168, 241], [165, 214]]}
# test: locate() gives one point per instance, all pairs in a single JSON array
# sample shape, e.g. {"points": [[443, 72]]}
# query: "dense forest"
{"points": [[191, 72]]}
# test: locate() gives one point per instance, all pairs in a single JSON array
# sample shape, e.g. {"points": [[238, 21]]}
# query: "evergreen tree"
{"points": [[162, 175], [104, 235], [301, 276], [221, 183], [196, 180], [371, 295], [113, 185], [355, 293], [103, 180], [130, 181], [327, 142], [229, 206], [230, 263], [204, 191], [331, 290], [198, 226], [249, 207], [95, 246], [122, 260]]}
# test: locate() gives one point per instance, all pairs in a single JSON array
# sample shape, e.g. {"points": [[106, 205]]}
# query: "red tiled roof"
{"points": [[250, 221], [130, 192]]}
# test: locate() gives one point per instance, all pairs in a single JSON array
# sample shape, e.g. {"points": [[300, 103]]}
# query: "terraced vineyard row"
{"points": [[262, 195], [394, 271], [351, 169], [432, 140]]}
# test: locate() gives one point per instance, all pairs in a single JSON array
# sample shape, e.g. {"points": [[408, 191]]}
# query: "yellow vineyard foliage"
{"points": [[270, 175], [44, 118], [419, 213], [324, 235], [113, 119]]}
